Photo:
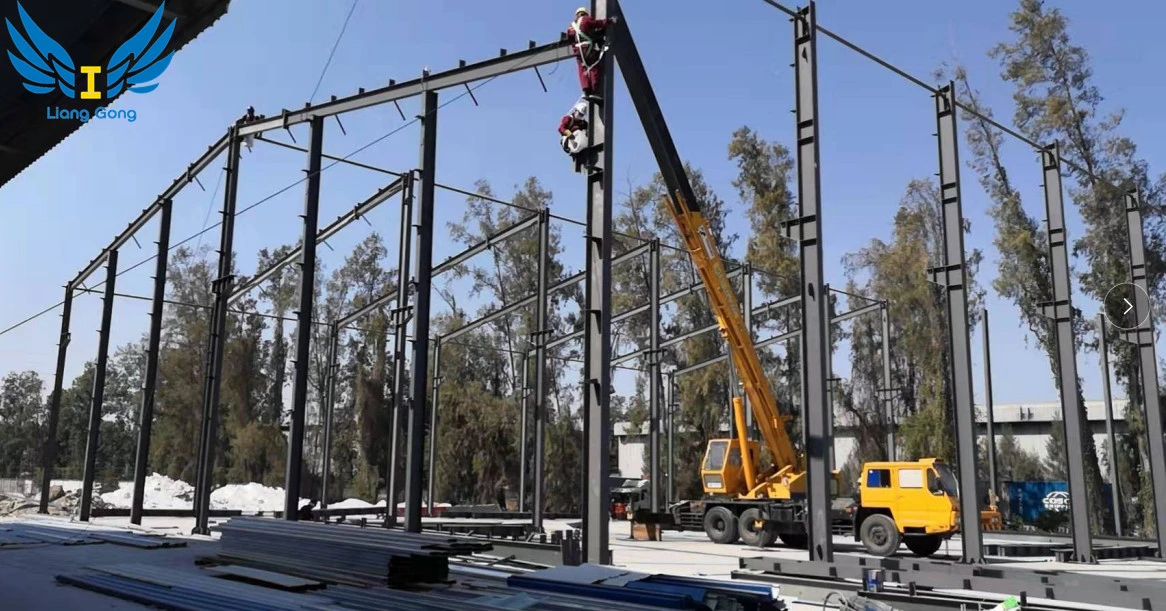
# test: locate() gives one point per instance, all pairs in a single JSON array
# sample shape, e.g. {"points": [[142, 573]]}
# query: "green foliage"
{"points": [[22, 412], [897, 272], [1057, 100]]}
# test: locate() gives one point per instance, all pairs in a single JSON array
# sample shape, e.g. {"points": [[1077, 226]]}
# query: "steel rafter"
{"points": [[170, 193], [457, 77]]}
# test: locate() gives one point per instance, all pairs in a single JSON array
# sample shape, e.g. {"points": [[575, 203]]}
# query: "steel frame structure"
{"points": [[807, 230]]}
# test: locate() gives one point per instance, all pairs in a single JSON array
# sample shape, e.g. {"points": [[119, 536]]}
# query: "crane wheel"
{"points": [[879, 535], [923, 545], [753, 530], [795, 540], [720, 525]]}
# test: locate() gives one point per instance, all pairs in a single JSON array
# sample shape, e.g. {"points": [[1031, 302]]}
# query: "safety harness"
{"points": [[585, 43]]}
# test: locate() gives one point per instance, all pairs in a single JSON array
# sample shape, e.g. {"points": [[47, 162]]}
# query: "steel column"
{"points": [[654, 379], [1143, 337], [989, 408], [400, 319], [311, 216], [1114, 487], [1060, 310], [328, 408], [222, 288], [887, 391], [98, 398], [831, 382], [150, 384], [49, 458], [431, 474], [597, 319], [523, 435], [542, 308], [951, 276], [807, 230], [673, 405], [423, 280]]}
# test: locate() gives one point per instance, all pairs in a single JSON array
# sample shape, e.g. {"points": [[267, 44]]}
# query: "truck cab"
{"points": [[915, 503]]}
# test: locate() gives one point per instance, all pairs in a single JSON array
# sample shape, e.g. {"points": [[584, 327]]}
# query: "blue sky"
{"points": [[713, 71]]}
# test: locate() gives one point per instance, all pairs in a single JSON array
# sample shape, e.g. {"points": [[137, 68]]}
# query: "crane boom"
{"points": [[695, 231]]}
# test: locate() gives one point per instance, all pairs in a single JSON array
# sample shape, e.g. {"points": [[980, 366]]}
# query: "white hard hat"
{"points": [[581, 10]]}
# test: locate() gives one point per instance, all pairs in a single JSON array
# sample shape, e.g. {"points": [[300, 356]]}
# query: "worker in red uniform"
{"points": [[587, 33], [573, 129]]}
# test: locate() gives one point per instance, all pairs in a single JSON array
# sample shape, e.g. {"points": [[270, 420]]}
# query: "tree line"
{"points": [[480, 388]]}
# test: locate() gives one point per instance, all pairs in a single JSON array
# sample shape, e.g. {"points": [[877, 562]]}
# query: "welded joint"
{"points": [[219, 285], [803, 230], [1140, 337], [1059, 310], [947, 276]]}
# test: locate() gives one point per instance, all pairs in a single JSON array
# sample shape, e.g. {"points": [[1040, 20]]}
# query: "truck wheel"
{"points": [[923, 545], [720, 525], [879, 535], [752, 529], [796, 541]]}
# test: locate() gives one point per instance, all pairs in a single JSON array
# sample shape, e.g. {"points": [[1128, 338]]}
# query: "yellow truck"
{"points": [[912, 502]]}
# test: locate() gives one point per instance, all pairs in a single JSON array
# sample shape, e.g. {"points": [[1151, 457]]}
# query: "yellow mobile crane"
{"points": [[911, 502]]}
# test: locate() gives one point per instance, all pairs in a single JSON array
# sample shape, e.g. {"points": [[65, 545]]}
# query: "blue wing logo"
{"points": [[42, 62], [139, 60], [45, 66]]}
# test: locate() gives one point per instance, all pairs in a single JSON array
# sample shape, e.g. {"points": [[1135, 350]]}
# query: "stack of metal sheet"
{"points": [[344, 554]]}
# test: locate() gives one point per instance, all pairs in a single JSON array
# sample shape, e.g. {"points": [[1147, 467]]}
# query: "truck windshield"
{"points": [[947, 479]]}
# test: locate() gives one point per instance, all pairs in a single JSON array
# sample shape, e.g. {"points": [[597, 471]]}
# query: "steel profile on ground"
{"points": [[369, 555], [938, 575]]}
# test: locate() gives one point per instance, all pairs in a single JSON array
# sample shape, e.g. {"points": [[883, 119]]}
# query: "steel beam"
{"points": [[597, 315], [541, 383], [170, 193], [311, 217], [1114, 486], [213, 366], [807, 230], [554, 288], [328, 409], [422, 281], [1060, 310], [445, 266], [400, 317], [654, 377], [457, 77], [49, 457], [150, 383], [431, 474], [1143, 338], [665, 299], [98, 398], [952, 277], [887, 392], [989, 408], [322, 236], [845, 316]]}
